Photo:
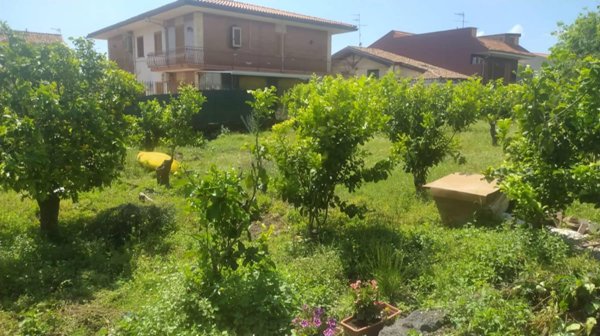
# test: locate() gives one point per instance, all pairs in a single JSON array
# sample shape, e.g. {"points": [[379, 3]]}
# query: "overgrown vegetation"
{"points": [[222, 253]]}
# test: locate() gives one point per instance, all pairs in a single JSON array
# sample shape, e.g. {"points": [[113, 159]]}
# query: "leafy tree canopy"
{"points": [[63, 128]]}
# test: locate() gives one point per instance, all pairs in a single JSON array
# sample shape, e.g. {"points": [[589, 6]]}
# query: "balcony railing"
{"points": [[179, 56], [235, 60]]}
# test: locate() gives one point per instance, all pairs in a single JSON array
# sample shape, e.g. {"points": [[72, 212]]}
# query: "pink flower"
{"points": [[329, 332]]}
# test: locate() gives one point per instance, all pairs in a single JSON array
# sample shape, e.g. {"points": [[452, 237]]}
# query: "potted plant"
{"points": [[313, 322], [370, 314]]}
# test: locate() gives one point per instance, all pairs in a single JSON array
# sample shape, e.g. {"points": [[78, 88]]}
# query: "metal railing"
{"points": [[179, 56], [236, 59]]}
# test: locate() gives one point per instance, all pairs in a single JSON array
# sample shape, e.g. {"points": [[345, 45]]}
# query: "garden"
{"points": [[317, 222]]}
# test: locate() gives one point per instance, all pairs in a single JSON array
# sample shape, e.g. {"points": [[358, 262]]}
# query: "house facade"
{"points": [[461, 50], [220, 44], [359, 61]]}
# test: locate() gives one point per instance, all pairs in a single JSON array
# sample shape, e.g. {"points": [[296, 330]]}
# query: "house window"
{"points": [[140, 46], [236, 37], [476, 60], [373, 72]]}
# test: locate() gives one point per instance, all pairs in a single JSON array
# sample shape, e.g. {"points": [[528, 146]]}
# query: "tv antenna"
{"points": [[462, 15], [359, 25]]}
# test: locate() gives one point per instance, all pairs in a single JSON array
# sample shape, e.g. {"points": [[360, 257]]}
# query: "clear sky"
{"points": [[535, 19]]}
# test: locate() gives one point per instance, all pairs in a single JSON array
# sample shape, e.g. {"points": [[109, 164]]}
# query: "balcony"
{"points": [[186, 57], [193, 58]]}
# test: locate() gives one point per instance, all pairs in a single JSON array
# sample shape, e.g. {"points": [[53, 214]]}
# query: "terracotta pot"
{"points": [[371, 330]]}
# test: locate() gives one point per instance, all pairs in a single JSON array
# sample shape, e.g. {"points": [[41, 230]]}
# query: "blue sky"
{"points": [[535, 19]]}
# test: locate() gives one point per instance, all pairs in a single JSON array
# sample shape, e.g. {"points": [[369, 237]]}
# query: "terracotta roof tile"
{"points": [[256, 9], [230, 6], [501, 46], [33, 37], [429, 71]]}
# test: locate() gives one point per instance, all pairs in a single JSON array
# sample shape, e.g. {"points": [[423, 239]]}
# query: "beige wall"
{"points": [[354, 65]]}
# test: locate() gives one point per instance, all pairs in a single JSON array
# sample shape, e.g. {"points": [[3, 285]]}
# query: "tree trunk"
{"points": [[493, 133], [163, 173], [419, 180], [49, 214]]}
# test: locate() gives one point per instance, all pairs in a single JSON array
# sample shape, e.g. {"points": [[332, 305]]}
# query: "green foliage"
{"points": [[497, 103], [553, 159], [316, 278], [150, 123], [63, 129], [262, 110], [581, 38], [422, 117], [249, 300], [179, 310], [225, 211], [320, 147], [574, 296], [177, 117], [484, 311]]}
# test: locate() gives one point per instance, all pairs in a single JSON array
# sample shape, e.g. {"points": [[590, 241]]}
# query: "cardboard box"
{"points": [[458, 196]]}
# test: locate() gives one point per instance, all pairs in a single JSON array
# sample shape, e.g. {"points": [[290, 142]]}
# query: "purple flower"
{"points": [[331, 323], [329, 332], [318, 312], [317, 321], [304, 323]]}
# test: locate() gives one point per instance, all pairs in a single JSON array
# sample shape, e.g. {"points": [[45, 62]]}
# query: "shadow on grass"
{"points": [[91, 253]]}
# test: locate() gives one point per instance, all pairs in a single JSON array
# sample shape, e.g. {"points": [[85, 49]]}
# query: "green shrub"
{"points": [[321, 146], [250, 300], [484, 311], [179, 310], [316, 278]]}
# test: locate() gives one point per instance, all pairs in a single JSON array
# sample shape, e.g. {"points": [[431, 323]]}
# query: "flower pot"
{"points": [[351, 329]]}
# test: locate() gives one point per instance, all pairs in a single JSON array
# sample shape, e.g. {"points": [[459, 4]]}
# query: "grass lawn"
{"points": [[120, 264]]}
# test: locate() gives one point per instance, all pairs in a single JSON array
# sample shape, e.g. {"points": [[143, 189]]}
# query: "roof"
{"points": [[34, 37], [429, 71], [501, 46], [236, 7]]}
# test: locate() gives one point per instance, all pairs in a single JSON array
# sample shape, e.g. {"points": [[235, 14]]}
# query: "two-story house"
{"points": [[221, 44], [460, 50]]}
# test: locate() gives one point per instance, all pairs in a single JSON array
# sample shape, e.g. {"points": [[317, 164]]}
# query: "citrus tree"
{"points": [[320, 147], [62, 125], [497, 102], [424, 120], [178, 115], [554, 157]]}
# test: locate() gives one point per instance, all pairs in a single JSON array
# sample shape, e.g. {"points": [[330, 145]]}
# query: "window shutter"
{"points": [[236, 37]]}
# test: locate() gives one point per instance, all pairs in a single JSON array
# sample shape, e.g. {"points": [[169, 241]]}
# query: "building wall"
{"points": [[120, 50], [265, 46], [450, 49], [141, 69]]}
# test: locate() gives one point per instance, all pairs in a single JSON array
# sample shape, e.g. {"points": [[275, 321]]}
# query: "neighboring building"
{"points": [[460, 50], [221, 44], [358, 61], [536, 62], [33, 37]]}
